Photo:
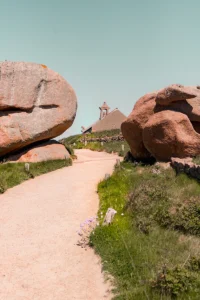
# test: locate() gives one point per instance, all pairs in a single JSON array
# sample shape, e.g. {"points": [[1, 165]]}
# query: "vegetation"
{"points": [[74, 142], [104, 133], [71, 139], [69, 149], [152, 248], [109, 147], [12, 174], [196, 160]]}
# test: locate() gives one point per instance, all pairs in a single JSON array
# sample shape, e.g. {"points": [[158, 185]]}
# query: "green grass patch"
{"points": [[12, 174], [76, 138], [74, 142], [147, 249], [102, 134], [71, 139], [109, 147]]}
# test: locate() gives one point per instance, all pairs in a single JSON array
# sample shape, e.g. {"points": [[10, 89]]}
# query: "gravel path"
{"points": [[39, 258]]}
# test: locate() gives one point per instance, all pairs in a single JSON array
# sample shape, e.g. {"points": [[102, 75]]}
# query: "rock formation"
{"points": [[44, 151], [36, 104], [165, 124]]}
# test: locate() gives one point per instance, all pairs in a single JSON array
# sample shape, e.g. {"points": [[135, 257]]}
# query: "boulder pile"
{"points": [[36, 104], [165, 124]]}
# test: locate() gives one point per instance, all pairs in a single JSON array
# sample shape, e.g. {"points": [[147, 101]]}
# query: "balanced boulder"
{"points": [[36, 104], [170, 127]]}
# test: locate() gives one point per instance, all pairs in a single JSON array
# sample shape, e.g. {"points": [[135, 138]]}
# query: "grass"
{"points": [[102, 134], [109, 147], [154, 239], [12, 174], [74, 142], [71, 139]]}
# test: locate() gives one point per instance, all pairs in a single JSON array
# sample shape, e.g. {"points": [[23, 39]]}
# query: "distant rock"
{"points": [[165, 124], [35, 104], [45, 151]]}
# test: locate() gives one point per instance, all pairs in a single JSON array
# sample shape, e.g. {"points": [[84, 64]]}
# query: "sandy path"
{"points": [[39, 258]]}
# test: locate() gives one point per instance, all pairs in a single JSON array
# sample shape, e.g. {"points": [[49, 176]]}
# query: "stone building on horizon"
{"points": [[107, 120]]}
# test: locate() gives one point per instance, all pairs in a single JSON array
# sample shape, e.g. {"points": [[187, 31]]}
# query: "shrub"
{"points": [[174, 281], [187, 217], [194, 264]]}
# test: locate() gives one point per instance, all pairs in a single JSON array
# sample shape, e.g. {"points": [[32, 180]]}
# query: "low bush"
{"points": [[175, 281], [171, 201]]}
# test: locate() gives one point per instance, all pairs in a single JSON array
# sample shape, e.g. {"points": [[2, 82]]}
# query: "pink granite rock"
{"points": [[170, 134], [132, 127], [165, 124], [51, 150], [36, 104], [175, 92]]}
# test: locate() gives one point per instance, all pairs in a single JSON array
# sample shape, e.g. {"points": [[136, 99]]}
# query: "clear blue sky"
{"points": [[113, 50]]}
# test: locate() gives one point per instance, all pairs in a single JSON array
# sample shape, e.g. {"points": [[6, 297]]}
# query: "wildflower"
{"points": [[86, 228]]}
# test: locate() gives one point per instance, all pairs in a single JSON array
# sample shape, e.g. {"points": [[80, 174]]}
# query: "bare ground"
{"points": [[39, 258]]}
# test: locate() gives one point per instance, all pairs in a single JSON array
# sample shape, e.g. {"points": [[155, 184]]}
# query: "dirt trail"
{"points": [[39, 258]]}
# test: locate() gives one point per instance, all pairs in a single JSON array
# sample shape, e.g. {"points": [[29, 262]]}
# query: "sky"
{"points": [[108, 50]]}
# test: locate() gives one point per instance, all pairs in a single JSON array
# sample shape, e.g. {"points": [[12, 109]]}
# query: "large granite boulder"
{"points": [[165, 124], [132, 127], [44, 151], [36, 104], [168, 133]]}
